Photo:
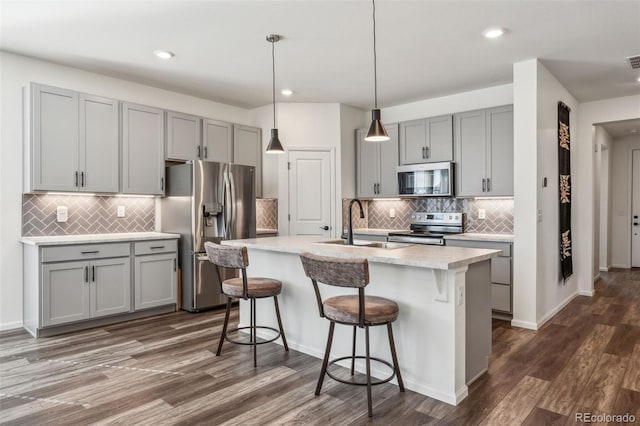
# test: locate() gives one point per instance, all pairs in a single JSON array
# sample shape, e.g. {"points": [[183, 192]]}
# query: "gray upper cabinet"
{"points": [[98, 159], [376, 165], [484, 152], [74, 140], [247, 150], [183, 136], [426, 140], [142, 150], [217, 141]]}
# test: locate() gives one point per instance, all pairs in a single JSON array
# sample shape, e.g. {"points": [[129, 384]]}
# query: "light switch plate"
{"points": [[121, 211], [482, 214], [62, 213], [392, 212]]}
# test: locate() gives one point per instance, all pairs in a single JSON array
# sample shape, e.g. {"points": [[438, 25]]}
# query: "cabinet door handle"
{"points": [[81, 178], [161, 184], [423, 153], [75, 179], [90, 252], [86, 274], [198, 151], [175, 266], [156, 247], [93, 273], [488, 184], [484, 185], [427, 150], [206, 154]]}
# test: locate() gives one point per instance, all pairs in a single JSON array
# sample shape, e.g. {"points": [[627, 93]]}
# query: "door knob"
{"points": [[635, 223], [326, 228], [635, 216]]}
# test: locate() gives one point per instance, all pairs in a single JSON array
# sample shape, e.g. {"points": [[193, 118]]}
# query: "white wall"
{"points": [[17, 72], [460, 102], [621, 200], [350, 119], [591, 113], [552, 292], [602, 170], [525, 86]]}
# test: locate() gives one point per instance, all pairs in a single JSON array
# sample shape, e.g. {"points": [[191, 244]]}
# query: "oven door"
{"points": [[433, 241], [423, 180]]}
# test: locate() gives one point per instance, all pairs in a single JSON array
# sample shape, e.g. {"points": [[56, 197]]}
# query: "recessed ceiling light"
{"points": [[638, 79], [494, 32], [287, 92], [633, 131], [164, 54]]}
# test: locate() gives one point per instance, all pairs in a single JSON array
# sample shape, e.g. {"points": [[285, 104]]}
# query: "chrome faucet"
{"points": [[350, 228]]}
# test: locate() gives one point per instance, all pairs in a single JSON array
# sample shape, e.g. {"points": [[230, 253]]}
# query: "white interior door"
{"points": [[635, 210], [310, 195]]}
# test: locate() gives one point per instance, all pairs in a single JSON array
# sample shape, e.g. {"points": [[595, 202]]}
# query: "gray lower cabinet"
{"points": [[68, 285], [142, 150], [426, 140], [155, 273], [376, 165], [501, 272]]}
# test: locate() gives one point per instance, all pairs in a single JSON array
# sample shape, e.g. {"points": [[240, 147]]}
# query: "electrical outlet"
{"points": [[460, 295], [121, 211], [482, 214], [62, 213], [392, 212], [539, 215]]}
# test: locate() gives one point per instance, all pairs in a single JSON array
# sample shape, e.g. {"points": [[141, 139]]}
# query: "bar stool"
{"points": [[355, 310], [246, 288]]}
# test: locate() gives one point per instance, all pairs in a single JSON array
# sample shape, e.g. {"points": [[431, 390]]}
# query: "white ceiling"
{"points": [[425, 48], [620, 129]]}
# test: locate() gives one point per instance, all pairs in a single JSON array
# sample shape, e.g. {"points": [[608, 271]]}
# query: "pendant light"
{"points": [[376, 132], [274, 147]]}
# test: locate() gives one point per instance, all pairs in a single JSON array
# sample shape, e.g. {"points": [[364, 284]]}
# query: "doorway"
{"points": [[311, 191]]}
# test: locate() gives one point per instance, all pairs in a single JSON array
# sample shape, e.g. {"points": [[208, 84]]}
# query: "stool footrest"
{"points": [[376, 382], [237, 342]]}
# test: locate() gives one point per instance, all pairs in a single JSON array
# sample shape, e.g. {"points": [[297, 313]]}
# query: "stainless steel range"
{"points": [[430, 228]]}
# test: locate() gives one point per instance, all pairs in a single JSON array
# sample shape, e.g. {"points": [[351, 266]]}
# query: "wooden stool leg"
{"points": [[325, 361], [284, 339], [224, 327], [395, 357], [353, 352], [253, 331], [369, 405]]}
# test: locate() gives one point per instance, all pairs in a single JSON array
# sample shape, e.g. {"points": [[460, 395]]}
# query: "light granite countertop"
{"points": [[422, 256], [470, 236], [97, 238]]}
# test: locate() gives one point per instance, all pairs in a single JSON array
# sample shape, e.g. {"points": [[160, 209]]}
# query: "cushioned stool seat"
{"points": [[256, 287], [346, 309]]}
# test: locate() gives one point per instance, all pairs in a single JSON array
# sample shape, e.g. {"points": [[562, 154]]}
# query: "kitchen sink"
{"points": [[371, 244]]}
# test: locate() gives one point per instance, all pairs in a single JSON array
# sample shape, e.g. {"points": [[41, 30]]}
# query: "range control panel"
{"points": [[430, 218]]}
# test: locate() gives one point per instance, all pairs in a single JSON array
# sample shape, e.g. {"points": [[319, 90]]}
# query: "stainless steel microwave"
{"points": [[426, 180]]}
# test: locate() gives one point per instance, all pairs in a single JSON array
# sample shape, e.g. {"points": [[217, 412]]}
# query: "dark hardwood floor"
{"points": [[163, 370]]}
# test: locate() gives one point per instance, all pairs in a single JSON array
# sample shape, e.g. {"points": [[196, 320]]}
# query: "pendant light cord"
{"points": [[375, 59], [273, 65]]}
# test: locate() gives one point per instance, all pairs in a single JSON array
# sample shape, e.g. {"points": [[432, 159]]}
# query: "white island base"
{"points": [[443, 332]]}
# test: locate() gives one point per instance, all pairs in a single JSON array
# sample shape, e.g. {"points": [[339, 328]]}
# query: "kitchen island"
{"points": [[443, 332]]}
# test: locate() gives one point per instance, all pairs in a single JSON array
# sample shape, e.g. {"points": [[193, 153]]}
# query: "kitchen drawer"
{"points": [[154, 247], [501, 297], [501, 270], [84, 251], [504, 247]]}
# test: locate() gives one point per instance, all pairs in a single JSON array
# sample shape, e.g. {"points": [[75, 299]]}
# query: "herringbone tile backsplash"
{"points": [[87, 214], [267, 213], [498, 213]]}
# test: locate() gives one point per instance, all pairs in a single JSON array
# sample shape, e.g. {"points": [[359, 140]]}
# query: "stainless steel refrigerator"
{"points": [[207, 201]]}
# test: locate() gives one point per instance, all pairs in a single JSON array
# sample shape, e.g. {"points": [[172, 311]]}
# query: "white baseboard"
{"points": [[626, 266], [596, 277], [524, 324], [10, 325], [557, 309], [589, 293], [604, 269]]}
